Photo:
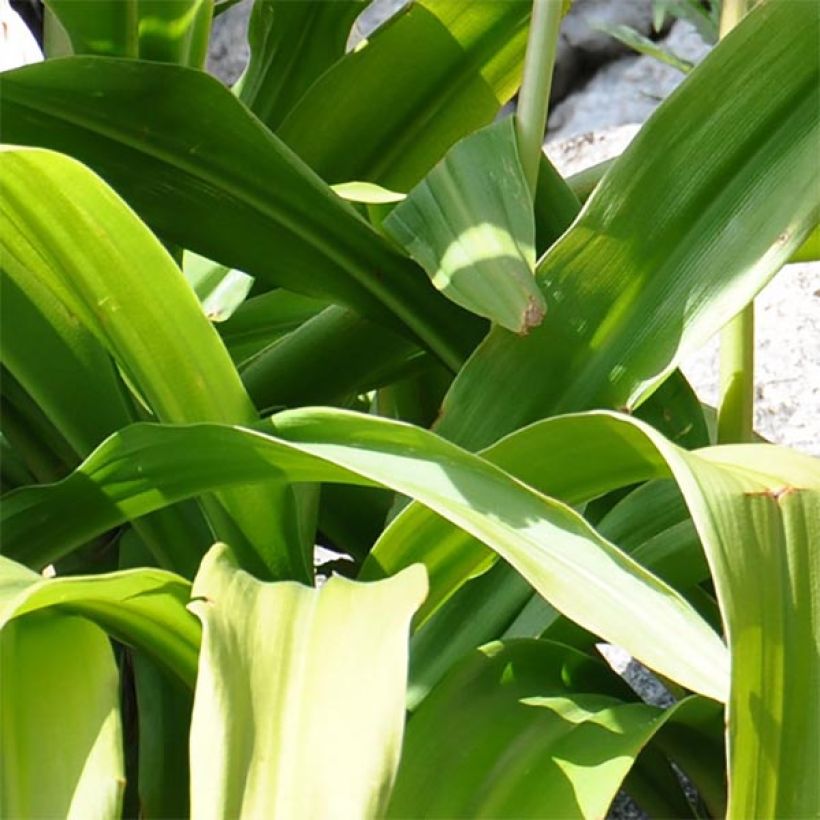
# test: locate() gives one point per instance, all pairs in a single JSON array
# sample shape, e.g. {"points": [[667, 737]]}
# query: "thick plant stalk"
{"points": [[735, 415], [533, 99]]}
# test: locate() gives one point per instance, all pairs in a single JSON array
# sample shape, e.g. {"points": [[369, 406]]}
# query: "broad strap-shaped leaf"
{"points": [[762, 506], [452, 64], [143, 608], [578, 571], [171, 353], [60, 739], [755, 508], [208, 176], [523, 729], [292, 45], [679, 235], [294, 681], [469, 224]]}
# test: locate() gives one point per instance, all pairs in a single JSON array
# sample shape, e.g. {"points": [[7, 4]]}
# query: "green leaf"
{"points": [[333, 355], [366, 192], [175, 31], [469, 224], [577, 570], [315, 685], [262, 320], [221, 290], [292, 45], [665, 251], [99, 27], [143, 608], [643, 45], [223, 186], [167, 347], [521, 729], [768, 500], [393, 132], [60, 738]]}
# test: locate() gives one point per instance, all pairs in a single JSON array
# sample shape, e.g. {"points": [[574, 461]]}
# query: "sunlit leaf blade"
{"points": [[319, 675], [522, 729], [169, 350], [768, 501], [60, 739], [367, 193], [143, 608], [578, 571], [393, 133], [762, 497], [472, 230], [679, 236], [207, 175], [292, 45]]}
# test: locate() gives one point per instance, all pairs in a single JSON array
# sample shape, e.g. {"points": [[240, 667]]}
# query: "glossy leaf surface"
{"points": [[522, 729], [60, 712], [143, 608], [199, 168], [393, 133], [167, 347], [661, 256], [577, 570]]}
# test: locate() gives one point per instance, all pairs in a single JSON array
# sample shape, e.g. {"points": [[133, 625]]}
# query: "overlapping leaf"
{"points": [[473, 232], [660, 258], [207, 175], [292, 45], [582, 574], [393, 133], [166, 346]]}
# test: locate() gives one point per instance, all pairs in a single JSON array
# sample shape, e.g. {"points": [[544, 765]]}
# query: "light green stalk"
{"points": [[735, 415], [533, 99]]}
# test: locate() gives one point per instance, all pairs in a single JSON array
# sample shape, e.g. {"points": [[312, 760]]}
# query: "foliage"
{"points": [[502, 450]]}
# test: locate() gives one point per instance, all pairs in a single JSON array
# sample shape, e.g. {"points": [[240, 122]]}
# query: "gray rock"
{"points": [[626, 90], [229, 52]]}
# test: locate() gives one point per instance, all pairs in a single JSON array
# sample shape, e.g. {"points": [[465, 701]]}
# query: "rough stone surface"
{"points": [[625, 90], [228, 52], [581, 48]]}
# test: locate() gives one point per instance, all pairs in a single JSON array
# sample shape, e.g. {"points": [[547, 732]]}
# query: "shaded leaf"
{"points": [[291, 44]]}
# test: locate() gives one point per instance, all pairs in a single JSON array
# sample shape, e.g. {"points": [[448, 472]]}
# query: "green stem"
{"points": [[533, 99], [735, 419], [735, 414]]}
